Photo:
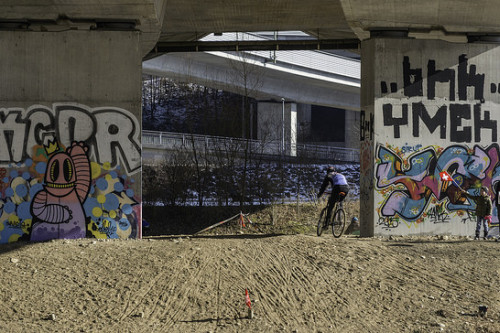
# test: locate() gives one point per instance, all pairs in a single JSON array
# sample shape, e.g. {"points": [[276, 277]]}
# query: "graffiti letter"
{"points": [[483, 123], [389, 120], [457, 113], [364, 126], [41, 128], [12, 131], [469, 80], [433, 76], [117, 131], [420, 112], [74, 123], [412, 79]]}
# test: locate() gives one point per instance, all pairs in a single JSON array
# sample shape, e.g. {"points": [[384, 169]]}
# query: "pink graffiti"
{"points": [[58, 208]]}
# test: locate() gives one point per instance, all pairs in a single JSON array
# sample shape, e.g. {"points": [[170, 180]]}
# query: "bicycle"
{"points": [[338, 224]]}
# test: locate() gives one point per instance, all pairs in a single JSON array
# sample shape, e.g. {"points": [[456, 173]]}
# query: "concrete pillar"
{"points": [[427, 107], [352, 129], [70, 135], [270, 126], [304, 122]]}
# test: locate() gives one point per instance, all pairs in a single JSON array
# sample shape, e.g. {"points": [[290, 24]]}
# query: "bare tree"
{"points": [[247, 78]]}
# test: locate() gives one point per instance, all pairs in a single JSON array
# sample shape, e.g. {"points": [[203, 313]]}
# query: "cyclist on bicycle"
{"points": [[340, 188]]}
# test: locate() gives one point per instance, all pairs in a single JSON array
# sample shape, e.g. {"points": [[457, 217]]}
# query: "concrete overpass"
{"points": [[302, 76], [71, 71]]}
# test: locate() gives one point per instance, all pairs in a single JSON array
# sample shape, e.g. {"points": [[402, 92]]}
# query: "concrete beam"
{"points": [[49, 15], [255, 45], [428, 19]]}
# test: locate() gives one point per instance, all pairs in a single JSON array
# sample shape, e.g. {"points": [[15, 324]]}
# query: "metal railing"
{"points": [[184, 141]]}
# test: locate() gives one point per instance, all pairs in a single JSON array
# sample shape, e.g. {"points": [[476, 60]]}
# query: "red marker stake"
{"points": [[248, 302]]}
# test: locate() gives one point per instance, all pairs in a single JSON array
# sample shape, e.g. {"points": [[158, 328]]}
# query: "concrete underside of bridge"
{"points": [[71, 72], [181, 20]]}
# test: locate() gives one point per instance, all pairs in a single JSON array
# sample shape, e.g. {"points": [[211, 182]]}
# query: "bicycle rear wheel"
{"points": [[321, 222], [338, 224]]}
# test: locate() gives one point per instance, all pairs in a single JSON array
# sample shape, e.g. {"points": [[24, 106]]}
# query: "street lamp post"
{"points": [[282, 149], [283, 126]]}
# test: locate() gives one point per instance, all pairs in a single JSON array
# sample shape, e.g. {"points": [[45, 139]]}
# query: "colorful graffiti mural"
{"points": [[413, 191], [433, 111], [57, 191]]}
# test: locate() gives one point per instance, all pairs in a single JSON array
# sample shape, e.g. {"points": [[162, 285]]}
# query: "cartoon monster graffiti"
{"points": [[58, 209]]}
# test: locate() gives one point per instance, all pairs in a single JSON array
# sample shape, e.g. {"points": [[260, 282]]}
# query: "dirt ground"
{"points": [[297, 283]]}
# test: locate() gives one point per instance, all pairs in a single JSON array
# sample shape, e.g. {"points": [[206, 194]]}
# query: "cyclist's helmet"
{"points": [[330, 169]]}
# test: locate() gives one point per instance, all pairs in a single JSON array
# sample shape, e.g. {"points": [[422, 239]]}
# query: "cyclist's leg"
{"points": [[334, 197], [343, 191]]}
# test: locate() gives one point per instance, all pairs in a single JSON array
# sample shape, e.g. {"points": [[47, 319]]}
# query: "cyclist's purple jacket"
{"points": [[333, 179], [338, 179]]}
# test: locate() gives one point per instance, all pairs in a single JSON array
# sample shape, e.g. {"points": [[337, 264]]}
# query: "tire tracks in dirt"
{"points": [[297, 283], [163, 291], [179, 286], [293, 283]]}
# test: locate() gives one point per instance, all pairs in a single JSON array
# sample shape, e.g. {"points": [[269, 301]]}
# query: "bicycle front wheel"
{"points": [[321, 222], [338, 223]]}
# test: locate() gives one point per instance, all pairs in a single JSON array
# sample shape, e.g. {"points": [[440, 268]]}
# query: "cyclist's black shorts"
{"points": [[339, 192]]}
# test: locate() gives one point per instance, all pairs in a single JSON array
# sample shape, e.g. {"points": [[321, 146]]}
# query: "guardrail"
{"points": [[184, 141]]}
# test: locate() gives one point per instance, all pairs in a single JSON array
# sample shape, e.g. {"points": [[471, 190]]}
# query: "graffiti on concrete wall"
{"points": [[456, 117], [413, 191], [66, 173], [366, 154], [112, 134], [365, 126], [431, 120]]}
